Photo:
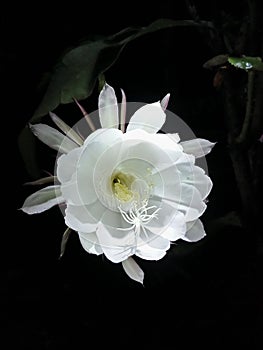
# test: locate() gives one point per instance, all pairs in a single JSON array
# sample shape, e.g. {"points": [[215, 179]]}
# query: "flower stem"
{"points": [[249, 109]]}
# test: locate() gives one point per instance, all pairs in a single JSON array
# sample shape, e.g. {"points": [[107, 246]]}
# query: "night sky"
{"points": [[200, 293]]}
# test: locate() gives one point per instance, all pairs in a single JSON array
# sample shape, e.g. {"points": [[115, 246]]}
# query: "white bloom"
{"points": [[129, 193]]}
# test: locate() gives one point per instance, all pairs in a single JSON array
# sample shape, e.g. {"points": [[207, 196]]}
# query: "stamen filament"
{"points": [[138, 218]]}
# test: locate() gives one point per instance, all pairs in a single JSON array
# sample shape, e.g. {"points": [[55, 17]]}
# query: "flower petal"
{"points": [[186, 199], [53, 138], [145, 251], [116, 246], [169, 224], [43, 200], [183, 171], [108, 108], [70, 192], [80, 189], [79, 219], [90, 243], [195, 231], [105, 136], [156, 241], [198, 179], [133, 270], [67, 164], [197, 147], [150, 118]]}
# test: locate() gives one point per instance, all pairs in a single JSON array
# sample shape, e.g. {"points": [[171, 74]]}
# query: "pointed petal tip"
{"points": [[53, 116], [33, 128], [123, 93], [106, 86], [212, 145], [164, 102]]}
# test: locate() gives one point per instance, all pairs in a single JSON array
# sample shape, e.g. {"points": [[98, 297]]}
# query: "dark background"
{"points": [[200, 293]]}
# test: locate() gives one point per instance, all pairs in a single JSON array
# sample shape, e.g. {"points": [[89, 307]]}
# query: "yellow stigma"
{"points": [[120, 185]]}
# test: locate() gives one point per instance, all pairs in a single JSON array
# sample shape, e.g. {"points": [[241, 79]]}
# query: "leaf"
{"points": [[246, 63], [76, 74], [64, 241]]}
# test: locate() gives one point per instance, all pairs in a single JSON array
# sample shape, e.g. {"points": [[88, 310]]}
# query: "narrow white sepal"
{"points": [[53, 138], [123, 111], [133, 270], [43, 200], [66, 129], [164, 102]]}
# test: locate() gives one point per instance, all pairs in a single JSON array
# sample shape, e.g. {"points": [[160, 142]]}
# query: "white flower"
{"points": [[126, 193]]}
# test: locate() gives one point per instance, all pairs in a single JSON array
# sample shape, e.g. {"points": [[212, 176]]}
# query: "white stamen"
{"points": [[138, 217]]}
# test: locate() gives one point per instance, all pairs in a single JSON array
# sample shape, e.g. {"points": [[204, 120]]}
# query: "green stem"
{"points": [[242, 138]]}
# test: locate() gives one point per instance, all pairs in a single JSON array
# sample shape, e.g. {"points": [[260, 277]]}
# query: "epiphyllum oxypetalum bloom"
{"points": [[129, 193]]}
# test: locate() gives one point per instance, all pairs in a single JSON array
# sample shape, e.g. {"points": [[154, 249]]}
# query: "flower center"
{"points": [[121, 184]]}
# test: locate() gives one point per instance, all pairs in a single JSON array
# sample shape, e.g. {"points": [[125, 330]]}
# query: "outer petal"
{"points": [[195, 231], [90, 243], [145, 251], [105, 136], [184, 171], [198, 179], [190, 203], [150, 118], [170, 224], [183, 197], [67, 164], [116, 248], [80, 189], [53, 138], [43, 200], [79, 219], [133, 270], [108, 108], [156, 241], [70, 192], [197, 147]]}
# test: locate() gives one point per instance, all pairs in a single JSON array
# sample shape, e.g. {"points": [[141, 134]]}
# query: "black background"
{"points": [[200, 293]]}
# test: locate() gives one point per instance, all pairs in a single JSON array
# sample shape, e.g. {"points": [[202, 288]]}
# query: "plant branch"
{"points": [[242, 138]]}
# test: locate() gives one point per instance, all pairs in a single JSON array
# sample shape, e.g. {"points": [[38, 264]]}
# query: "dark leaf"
{"points": [[216, 61], [77, 72], [75, 75]]}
